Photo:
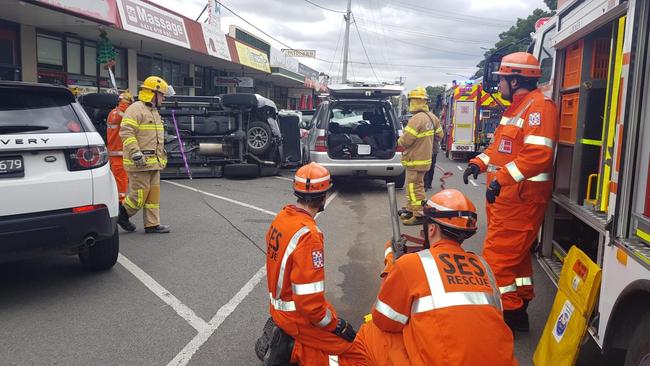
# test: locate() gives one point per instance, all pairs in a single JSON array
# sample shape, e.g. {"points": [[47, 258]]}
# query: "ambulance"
{"points": [[595, 60]]}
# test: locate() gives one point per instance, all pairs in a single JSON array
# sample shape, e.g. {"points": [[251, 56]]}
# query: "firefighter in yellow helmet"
{"points": [[143, 135], [418, 143]]}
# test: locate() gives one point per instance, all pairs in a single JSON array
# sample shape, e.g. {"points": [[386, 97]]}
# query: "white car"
{"points": [[57, 193]]}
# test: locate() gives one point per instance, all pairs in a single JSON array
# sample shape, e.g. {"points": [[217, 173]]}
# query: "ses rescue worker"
{"points": [[308, 330], [441, 305], [114, 143], [143, 135], [519, 165], [418, 143]]}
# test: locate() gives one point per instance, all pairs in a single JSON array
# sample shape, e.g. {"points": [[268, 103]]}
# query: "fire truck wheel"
{"points": [[638, 353]]}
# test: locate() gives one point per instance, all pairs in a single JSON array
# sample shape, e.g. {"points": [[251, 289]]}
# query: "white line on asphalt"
{"points": [[282, 178], [459, 167], [169, 299], [185, 355], [223, 198], [473, 183]]}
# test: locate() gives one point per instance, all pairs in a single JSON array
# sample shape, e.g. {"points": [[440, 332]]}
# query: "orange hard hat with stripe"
{"points": [[520, 63], [450, 208], [312, 181]]}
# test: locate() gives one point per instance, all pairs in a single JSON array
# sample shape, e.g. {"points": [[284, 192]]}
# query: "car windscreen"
{"points": [[37, 111]]}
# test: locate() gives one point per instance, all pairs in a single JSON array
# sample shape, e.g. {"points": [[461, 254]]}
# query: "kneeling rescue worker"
{"points": [[441, 305], [417, 141], [519, 167], [114, 143], [308, 330], [143, 135]]}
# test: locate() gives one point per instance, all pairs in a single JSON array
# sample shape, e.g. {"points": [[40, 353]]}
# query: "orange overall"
{"points": [[296, 281], [521, 160], [114, 144], [437, 307]]}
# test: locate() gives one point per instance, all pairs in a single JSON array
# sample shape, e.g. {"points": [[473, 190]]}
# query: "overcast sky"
{"points": [[427, 42]]}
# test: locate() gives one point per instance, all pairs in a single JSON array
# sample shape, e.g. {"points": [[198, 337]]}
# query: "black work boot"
{"points": [[280, 348], [123, 220], [262, 344], [160, 229], [517, 319]]}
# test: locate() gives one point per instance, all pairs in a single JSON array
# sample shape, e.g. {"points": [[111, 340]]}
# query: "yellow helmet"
{"points": [[154, 84], [418, 93]]}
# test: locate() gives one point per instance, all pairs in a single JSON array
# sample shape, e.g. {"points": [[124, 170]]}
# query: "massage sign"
{"points": [[153, 22]]}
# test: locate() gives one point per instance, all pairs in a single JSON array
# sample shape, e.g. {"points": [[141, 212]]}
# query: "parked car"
{"points": [[355, 133], [58, 194]]}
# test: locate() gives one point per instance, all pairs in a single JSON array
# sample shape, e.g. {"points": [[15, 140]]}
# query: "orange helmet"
{"points": [[125, 97], [311, 181], [452, 210], [520, 63]]}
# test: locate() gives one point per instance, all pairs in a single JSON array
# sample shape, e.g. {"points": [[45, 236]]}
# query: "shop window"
{"points": [[144, 67], [73, 53], [198, 76], [167, 71], [50, 50], [9, 52], [90, 59]]}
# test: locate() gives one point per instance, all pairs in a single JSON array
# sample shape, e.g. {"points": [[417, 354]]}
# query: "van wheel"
{"points": [[258, 138], [638, 352], [102, 255]]}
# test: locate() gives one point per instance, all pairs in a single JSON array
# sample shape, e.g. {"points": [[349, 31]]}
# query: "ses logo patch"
{"points": [[535, 119], [317, 259], [505, 146]]}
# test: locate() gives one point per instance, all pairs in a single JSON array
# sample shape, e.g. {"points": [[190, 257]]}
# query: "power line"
{"points": [[364, 49], [324, 8], [338, 41], [447, 15], [251, 24], [419, 66], [399, 29]]}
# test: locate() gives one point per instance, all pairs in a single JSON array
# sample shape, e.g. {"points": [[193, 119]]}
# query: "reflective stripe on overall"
{"points": [[298, 289]]}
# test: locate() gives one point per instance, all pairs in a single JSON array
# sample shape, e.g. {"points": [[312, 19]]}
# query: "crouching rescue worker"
{"points": [[519, 167], [114, 143], [143, 135], [417, 142], [306, 329], [441, 305]]}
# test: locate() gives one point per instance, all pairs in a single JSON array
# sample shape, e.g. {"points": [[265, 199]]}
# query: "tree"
{"points": [[517, 38], [552, 4], [434, 93]]}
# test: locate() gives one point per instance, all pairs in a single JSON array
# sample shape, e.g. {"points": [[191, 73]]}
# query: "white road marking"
{"points": [[185, 355], [473, 183], [282, 178], [181, 309], [222, 198], [459, 167]]}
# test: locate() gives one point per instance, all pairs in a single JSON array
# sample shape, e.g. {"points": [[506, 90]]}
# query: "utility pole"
{"points": [[346, 47]]}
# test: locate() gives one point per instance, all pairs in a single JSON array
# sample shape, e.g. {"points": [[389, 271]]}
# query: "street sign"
{"points": [[299, 53]]}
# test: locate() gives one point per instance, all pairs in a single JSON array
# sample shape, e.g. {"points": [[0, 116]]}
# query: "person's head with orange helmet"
{"points": [[519, 73], [310, 185], [124, 100], [448, 214]]}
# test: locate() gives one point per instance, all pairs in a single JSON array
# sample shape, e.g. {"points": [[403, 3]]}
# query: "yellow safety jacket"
{"points": [[418, 140], [142, 130]]}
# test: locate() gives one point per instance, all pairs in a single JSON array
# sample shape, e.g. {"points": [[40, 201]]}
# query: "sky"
{"points": [[423, 42]]}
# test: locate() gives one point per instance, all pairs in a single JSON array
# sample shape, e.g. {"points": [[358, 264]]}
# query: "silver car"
{"points": [[354, 133]]}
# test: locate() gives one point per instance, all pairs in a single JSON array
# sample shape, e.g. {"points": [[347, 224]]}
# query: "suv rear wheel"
{"points": [[259, 138], [102, 255], [398, 180]]}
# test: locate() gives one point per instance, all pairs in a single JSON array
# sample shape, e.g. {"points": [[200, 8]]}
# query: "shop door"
{"points": [[9, 60]]}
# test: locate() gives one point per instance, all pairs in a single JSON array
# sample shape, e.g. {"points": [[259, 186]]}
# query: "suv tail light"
{"points": [[400, 148], [87, 157], [321, 144]]}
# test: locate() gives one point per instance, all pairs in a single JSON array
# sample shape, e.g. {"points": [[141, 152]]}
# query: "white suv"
{"points": [[57, 193]]}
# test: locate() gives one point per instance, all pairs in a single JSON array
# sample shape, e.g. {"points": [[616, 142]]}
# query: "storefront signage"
{"points": [[238, 81], [279, 59], [102, 10], [142, 18], [215, 42], [311, 77], [299, 53], [251, 57]]}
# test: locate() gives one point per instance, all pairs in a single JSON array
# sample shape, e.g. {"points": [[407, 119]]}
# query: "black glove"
{"points": [[345, 330], [493, 191], [472, 169]]}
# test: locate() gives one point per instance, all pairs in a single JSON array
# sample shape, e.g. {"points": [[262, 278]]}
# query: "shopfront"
{"points": [[9, 51]]}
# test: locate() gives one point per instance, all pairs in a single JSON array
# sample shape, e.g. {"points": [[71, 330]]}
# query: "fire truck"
{"points": [[470, 116], [595, 60]]}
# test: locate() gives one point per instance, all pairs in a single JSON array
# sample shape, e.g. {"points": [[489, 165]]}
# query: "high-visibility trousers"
{"points": [[381, 348], [144, 194], [415, 190], [513, 225], [121, 178]]}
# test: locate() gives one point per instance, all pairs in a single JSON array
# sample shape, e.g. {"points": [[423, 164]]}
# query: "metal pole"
{"points": [[346, 47]]}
